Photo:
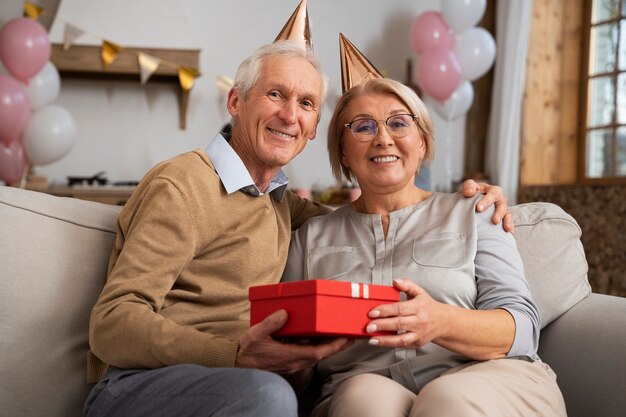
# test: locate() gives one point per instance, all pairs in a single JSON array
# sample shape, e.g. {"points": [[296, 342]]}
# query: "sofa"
{"points": [[55, 250]]}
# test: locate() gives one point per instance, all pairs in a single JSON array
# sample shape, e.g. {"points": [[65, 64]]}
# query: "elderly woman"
{"points": [[464, 340]]}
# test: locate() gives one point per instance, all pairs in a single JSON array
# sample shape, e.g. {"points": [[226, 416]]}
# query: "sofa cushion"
{"points": [[54, 259], [554, 260]]}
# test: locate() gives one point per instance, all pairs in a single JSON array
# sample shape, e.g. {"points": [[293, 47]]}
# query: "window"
{"points": [[605, 79]]}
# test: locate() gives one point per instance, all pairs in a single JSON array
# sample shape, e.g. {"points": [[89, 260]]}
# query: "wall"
{"points": [[549, 143], [125, 128]]}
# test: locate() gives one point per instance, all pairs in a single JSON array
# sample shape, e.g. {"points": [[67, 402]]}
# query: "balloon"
{"points": [[12, 162], [457, 104], [24, 47], [438, 73], [429, 30], [49, 135], [476, 51], [14, 109], [462, 14], [44, 87]]}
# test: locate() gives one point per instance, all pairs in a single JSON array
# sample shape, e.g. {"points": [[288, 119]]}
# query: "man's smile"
{"points": [[281, 134]]}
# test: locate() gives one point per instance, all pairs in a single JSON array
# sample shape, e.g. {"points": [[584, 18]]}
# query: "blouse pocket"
{"points": [[440, 250], [330, 262]]}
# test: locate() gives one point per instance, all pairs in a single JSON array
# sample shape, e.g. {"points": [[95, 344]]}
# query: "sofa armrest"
{"points": [[586, 347]]}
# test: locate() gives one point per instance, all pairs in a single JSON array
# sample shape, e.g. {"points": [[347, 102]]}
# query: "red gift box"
{"points": [[320, 307]]}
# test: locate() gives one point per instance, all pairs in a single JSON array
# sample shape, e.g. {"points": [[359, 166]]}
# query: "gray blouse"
{"points": [[457, 255]]}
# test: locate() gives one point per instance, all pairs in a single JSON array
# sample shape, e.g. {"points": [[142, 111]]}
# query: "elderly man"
{"points": [[172, 319]]}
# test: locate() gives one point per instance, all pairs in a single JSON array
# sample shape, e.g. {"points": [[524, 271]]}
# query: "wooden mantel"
{"points": [[82, 61]]}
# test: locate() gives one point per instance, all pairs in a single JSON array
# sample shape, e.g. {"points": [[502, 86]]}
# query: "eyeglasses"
{"points": [[398, 126]]}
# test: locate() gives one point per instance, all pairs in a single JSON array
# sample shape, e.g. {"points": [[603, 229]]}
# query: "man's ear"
{"points": [[234, 99]]}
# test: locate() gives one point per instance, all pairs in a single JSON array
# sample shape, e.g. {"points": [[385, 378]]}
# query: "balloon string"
{"points": [[24, 178], [448, 165]]}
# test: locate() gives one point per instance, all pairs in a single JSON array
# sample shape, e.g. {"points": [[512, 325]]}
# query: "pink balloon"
{"points": [[430, 30], [12, 162], [14, 109], [438, 73], [24, 47]]}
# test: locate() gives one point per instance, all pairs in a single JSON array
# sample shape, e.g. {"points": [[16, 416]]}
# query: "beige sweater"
{"points": [[184, 256]]}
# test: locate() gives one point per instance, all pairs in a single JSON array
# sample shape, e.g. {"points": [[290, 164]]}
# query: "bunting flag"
{"points": [[70, 34], [32, 10], [148, 64], [224, 83], [109, 52], [186, 77]]}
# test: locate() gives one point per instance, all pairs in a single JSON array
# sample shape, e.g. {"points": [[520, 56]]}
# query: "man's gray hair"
{"points": [[250, 69]]}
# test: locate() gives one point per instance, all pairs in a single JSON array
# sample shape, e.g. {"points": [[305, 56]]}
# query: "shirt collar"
{"points": [[233, 172]]}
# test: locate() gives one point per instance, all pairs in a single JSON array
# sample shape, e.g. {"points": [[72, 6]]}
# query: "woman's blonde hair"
{"points": [[337, 128]]}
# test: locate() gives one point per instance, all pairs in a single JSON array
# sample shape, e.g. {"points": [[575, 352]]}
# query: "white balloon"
{"points": [[44, 87], [456, 105], [49, 135], [461, 15], [476, 51]]}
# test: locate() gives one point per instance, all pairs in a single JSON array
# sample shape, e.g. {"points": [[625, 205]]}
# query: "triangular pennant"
{"points": [[109, 52], [147, 65], [32, 10], [297, 27], [224, 83], [355, 67], [70, 34], [186, 77]]}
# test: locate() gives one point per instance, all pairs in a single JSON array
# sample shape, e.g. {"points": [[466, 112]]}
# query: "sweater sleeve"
{"points": [[156, 241], [302, 209], [501, 283]]}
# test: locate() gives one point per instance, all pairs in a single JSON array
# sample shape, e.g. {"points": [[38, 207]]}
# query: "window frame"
{"points": [[585, 106]]}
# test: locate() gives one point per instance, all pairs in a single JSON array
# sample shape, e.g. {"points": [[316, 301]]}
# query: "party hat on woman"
{"points": [[355, 67]]}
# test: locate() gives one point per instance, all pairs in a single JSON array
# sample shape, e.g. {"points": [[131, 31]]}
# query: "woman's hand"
{"points": [[476, 334], [419, 320]]}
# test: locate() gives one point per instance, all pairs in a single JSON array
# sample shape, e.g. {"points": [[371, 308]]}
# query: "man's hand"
{"points": [[258, 350], [493, 194]]}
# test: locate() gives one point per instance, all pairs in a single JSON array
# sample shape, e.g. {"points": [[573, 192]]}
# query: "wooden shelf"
{"points": [[102, 194], [81, 61]]}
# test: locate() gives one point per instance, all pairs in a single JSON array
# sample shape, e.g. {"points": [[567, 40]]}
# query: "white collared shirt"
{"points": [[235, 176]]}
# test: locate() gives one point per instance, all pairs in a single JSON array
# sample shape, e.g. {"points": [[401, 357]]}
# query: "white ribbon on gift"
{"points": [[356, 293]]}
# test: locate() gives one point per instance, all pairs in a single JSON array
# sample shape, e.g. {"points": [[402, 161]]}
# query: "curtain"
{"points": [[513, 19]]}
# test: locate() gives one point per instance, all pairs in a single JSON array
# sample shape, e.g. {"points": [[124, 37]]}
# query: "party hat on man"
{"points": [[355, 67], [297, 27]]}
